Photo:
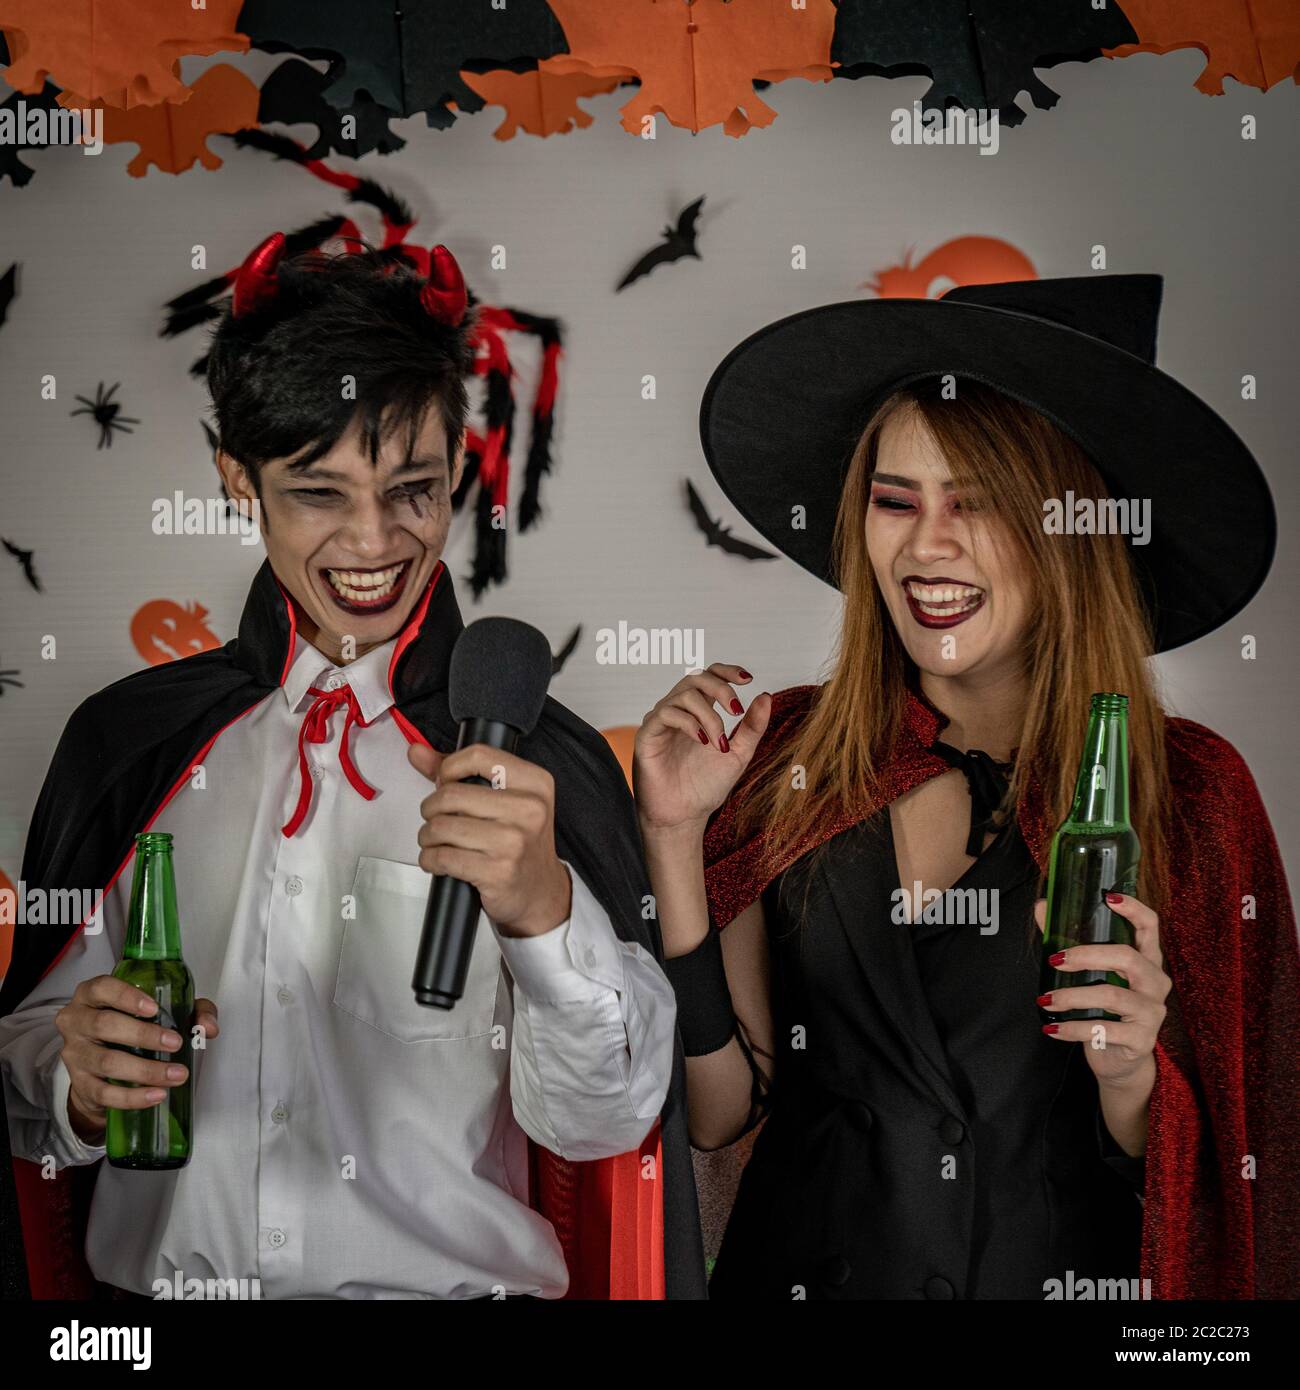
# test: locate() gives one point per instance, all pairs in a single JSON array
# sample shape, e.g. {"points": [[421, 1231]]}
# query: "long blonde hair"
{"points": [[1087, 630]]}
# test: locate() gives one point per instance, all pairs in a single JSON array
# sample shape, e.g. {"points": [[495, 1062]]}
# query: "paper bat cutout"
{"points": [[1257, 42], [11, 167], [121, 52], [8, 291], [24, 558], [172, 136], [537, 101], [407, 55], [697, 63], [980, 53], [720, 535], [966, 260], [294, 95], [559, 658], [677, 242]]}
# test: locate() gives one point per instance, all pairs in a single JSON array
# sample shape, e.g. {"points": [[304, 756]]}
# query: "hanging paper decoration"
{"points": [[487, 455], [119, 52], [697, 62], [966, 260], [16, 132], [407, 55], [980, 53], [539, 102], [294, 95], [173, 135], [1256, 42]]}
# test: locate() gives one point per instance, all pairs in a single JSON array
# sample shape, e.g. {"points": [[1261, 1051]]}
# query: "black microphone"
{"points": [[500, 669]]}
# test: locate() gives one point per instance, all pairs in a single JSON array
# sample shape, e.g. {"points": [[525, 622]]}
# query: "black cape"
{"points": [[128, 746]]}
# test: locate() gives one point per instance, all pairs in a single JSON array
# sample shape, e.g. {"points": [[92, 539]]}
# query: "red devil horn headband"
{"points": [[443, 295], [255, 281]]}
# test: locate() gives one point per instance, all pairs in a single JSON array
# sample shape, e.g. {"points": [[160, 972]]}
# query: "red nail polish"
{"points": [[744, 675], [1058, 958], [723, 744], [1051, 1027], [704, 738], [1043, 1000], [737, 707], [1114, 897]]}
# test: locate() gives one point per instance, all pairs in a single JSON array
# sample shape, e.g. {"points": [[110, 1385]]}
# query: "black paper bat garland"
{"points": [[678, 241], [105, 411], [406, 56], [294, 95], [720, 535], [24, 558], [980, 53], [571, 645]]}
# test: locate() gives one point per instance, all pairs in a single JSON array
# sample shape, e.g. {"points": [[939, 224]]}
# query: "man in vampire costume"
{"points": [[348, 1143]]}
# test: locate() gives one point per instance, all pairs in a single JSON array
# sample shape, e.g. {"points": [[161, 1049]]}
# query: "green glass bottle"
{"points": [[1094, 852], [157, 1137]]}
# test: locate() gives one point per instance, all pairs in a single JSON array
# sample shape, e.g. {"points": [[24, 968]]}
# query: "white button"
{"points": [[590, 957], [317, 772], [333, 682], [284, 994], [293, 886], [276, 1238], [279, 1114]]}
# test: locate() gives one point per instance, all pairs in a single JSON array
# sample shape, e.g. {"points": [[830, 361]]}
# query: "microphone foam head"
{"points": [[500, 669]]}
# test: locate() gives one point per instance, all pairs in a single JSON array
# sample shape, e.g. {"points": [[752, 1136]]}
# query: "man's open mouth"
{"points": [[367, 591]]}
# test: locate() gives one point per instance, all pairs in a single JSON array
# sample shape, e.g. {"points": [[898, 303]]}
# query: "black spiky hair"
{"points": [[277, 375]]}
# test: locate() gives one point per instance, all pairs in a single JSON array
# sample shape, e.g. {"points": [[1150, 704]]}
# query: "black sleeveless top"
{"points": [[924, 1138]]}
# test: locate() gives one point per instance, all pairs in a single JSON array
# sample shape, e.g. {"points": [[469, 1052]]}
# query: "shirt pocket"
{"points": [[377, 960]]}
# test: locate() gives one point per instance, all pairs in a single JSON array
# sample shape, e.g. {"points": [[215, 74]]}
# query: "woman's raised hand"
{"points": [[685, 763]]}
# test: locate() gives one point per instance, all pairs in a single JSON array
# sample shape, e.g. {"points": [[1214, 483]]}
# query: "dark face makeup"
{"points": [[356, 543]]}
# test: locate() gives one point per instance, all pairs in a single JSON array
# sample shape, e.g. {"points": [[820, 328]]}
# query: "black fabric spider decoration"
{"points": [[7, 678], [104, 408]]}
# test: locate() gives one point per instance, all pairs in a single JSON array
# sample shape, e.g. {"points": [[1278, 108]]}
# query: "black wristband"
{"points": [[705, 1016]]}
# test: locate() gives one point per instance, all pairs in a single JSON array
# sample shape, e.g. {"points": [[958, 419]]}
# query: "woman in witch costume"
{"points": [[925, 1134]]}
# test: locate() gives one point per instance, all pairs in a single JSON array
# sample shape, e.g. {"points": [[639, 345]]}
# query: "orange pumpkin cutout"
{"points": [[620, 738], [967, 260], [164, 631]]}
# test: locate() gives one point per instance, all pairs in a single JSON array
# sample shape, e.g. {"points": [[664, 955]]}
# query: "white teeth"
{"points": [[359, 587], [955, 593]]}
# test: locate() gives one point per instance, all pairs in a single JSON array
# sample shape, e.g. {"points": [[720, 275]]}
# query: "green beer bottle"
{"points": [[158, 1137], [1094, 852]]}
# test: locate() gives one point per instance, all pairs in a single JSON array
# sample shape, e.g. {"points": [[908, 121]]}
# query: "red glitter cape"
{"points": [[1226, 1101]]}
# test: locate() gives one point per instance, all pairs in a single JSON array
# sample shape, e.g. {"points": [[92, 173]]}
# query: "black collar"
{"points": [[421, 659]]}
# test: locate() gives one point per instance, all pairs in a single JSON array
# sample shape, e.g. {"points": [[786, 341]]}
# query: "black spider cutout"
{"points": [[7, 678], [104, 408]]}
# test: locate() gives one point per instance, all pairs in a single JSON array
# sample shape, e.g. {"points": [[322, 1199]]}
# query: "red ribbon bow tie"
{"points": [[315, 729]]}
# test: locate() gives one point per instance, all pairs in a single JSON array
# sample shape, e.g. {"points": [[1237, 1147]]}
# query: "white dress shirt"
{"points": [[349, 1143]]}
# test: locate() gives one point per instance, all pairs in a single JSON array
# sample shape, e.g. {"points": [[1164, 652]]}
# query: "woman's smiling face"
{"points": [[945, 566]]}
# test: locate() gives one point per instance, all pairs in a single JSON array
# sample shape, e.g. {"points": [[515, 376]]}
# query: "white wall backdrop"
{"points": [[1133, 158]]}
